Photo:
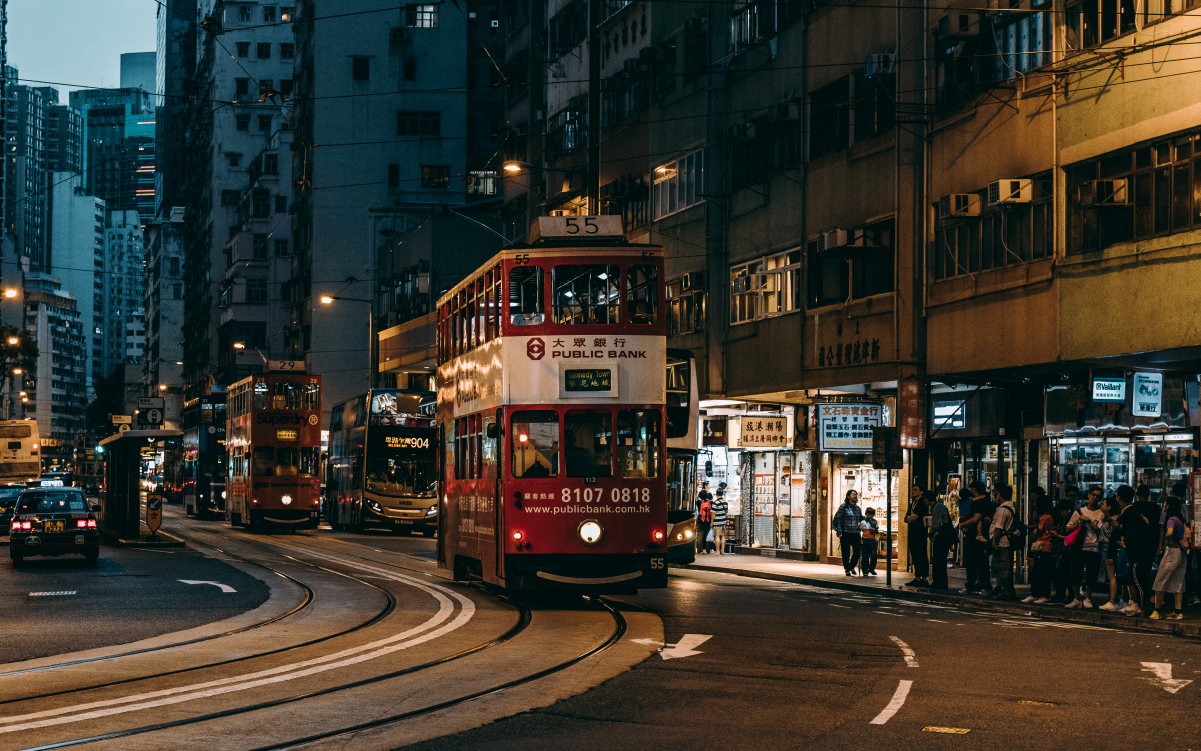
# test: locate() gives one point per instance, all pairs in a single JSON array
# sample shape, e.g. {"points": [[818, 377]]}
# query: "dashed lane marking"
{"points": [[935, 620], [894, 615], [950, 731], [1032, 703], [844, 607], [910, 655], [898, 701], [52, 594]]}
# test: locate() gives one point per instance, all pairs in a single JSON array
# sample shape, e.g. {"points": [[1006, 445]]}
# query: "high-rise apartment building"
{"points": [[124, 291], [78, 251], [119, 129], [175, 60], [166, 242], [25, 200], [242, 83], [56, 392]]}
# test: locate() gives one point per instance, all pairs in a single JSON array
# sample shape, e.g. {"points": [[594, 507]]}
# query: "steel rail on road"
{"points": [[309, 596]]}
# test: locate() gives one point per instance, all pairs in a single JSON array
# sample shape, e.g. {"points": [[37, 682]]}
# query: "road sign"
{"points": [[153, 416], [122, 419], [151, 402], [154, 512]]}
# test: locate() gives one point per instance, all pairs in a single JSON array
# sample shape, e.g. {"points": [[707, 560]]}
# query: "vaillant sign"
{"points": [[1109, 390]]}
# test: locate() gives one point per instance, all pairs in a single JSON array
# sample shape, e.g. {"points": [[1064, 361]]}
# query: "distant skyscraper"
{"points": [[25, 190], [124, 291], [119, 132], [137, 71], [176, 64], [77, 253]]}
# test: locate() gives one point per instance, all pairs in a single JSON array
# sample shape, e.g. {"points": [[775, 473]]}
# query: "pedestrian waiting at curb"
{"points": [[1085, 528], [846, 524], [917, 536], [1173, 536], [721, 511], [942, 534], [1004, 534], [975, 542], [870, 550], [1042, 551], [704, 517], [1109, 556]]}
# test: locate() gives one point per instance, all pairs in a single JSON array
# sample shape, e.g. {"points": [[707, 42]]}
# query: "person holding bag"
{"points": [[1084, 528], [1042, 550], [846, 524], [1173, 539], [942, 536]]}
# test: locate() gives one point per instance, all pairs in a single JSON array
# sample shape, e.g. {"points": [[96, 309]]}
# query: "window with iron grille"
{"points": [[997, 237], [421, 16], [243, 49], [264, 50], [751, 23], [566, 132], [837, 274], [418, 123], [269, 14], [435, 176], [685, 309], [484, 183], [766, 287], [260, 204], [1092, 22], [256, 291]]}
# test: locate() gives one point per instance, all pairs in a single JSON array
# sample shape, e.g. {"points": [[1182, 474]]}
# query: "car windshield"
{"points": [[7, 494], [46, 502]]}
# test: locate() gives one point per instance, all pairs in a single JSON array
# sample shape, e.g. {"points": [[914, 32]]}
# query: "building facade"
{"points": [[55, 394], [123, 331], [79, 256]]}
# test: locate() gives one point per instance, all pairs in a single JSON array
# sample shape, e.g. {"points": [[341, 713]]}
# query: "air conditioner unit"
{"points": [[959, 204], [741, 132], [790, 111], [843, 238], [1010, 190], [694, 280], [539, 114], [1104, 193], [959, 26], [630, 66], [881, 64], [398, 34]]}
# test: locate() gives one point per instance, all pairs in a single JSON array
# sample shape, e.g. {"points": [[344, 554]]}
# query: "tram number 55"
{"points": [[589, 226], [657, 563]]}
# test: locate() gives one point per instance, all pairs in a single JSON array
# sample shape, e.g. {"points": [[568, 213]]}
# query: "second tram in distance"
{"points": [[551, 411], [273, 439], [204, 460]]}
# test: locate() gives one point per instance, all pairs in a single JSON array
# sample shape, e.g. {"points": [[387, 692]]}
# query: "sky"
{"points": [[77, 42]]}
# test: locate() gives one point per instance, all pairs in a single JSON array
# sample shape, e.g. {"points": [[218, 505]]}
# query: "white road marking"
{"points": [[337, 660], [51, 594], [223, 587], [898, 701], [684, 647], [1163, 676], [949, 731], [844, 607], [894, 615], [910, 655], [935, 620]]}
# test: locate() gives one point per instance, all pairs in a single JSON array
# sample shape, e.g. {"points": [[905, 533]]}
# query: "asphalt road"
{"points": [[750, 663], [57, 605]]}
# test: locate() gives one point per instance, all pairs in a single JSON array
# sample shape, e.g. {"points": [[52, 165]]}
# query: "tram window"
{"points": [[585, 294], [260, 395], [469, 319], [481, 312], [264, 461], [490, 310], [642, 297], [535, 443], [588, 440], [525, 296], [638, 451]]}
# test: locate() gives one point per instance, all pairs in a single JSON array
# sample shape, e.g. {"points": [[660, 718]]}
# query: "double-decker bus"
{"points": [[20, 451], [204, 459], [273, 440], [551, 412], [383, 466], [683, 418]]}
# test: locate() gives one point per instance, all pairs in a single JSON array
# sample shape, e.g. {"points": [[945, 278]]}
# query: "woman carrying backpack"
{"points": [[1172, 539], [704, 517]]}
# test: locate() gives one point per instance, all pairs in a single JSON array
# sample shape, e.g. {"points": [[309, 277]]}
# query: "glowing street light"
{"points": [[326, 299], [10, 292], [239, 345], [14, 340]]}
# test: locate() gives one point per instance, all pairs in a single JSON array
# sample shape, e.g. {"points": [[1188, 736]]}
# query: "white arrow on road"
{"points": [[1163, 676], [224, 587], [682, 648]]}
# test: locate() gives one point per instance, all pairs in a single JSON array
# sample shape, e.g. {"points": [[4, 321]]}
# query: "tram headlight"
{"points": [[286, 500], [590, 531], [658, 535]]}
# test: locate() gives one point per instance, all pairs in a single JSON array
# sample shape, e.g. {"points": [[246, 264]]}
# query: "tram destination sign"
{"points": [[589, 379]]}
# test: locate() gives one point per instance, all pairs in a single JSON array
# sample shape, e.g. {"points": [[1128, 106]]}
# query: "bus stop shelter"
{"points": [[121, 501]]}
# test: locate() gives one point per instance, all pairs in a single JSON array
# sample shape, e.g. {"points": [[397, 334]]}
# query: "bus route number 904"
{"points": [[596, 495]]}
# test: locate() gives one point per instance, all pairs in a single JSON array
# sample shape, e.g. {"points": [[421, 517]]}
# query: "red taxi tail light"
{"points": [[91, 523], [81, 523]]}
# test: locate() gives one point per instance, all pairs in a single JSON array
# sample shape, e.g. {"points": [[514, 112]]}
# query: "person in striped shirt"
{"points": [[721, 511]]}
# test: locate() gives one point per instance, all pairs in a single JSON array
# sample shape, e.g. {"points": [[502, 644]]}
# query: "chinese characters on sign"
{"points": [[847, 428], [912, 412], [760, 432], [1147, 398], [867, 350], [593, 379]]}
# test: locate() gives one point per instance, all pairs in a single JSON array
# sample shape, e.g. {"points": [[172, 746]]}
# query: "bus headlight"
{"points": [[590, 531], [431, 511]]}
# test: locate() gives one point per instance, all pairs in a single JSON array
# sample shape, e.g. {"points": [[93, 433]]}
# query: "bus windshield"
{"points": [[401, 475]]}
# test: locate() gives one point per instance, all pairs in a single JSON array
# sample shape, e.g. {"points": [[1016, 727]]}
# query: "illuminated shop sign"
{"points": [[1110, 390], [950, 415]]}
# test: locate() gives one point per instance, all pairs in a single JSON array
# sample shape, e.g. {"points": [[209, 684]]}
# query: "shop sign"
{"points": [[912, 411], [847, 428], [1110, 390], [755, 432], [1148, 394], [713, 431], [950, 415]]}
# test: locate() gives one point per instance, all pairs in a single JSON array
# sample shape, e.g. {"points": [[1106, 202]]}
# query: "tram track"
{"points": [[389, 607]]}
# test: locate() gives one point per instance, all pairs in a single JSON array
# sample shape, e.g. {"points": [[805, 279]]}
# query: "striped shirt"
{"points": [[720, 510]]}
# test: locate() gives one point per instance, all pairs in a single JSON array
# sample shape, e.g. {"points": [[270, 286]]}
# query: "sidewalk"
{"points": [[825, 575]]}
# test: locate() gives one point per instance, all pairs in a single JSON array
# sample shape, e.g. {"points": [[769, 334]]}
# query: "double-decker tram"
{"points": [[683, 422], [20, 451], [551, 413], [273, 439], [383, 467], [204, 459]]}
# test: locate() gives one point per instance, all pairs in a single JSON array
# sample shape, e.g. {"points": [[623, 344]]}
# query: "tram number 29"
{"points": [[596, 495]]}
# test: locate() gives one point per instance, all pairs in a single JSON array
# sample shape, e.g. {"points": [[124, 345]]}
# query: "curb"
{"points": [[109, 538], [1089, 617]]}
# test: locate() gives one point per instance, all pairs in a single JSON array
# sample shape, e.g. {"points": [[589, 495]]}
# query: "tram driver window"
{"points": [[535, 443], [525, 296], [638, 453], [642, 299], [588, 443], [264, 461], [585, 294]]}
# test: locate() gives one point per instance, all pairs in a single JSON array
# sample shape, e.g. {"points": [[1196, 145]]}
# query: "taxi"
{"points": [[8, 501], [54, 520]]}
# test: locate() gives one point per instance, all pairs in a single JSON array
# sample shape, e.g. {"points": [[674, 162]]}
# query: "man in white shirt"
{"points": [[1004, 524], [1086, 556]]}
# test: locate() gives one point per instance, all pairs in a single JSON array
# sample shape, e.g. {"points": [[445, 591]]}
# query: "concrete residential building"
{"points": [[56, 394], [223, 141], [124, 291], [78, 251], [165, 243]]}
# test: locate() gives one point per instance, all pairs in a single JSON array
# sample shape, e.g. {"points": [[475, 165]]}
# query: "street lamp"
{"points": [[327, 299], [162, 387], [14, 340], [513, 167], [10, 293]]}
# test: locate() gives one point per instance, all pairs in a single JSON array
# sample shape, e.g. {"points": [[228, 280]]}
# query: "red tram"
{"points": [[273, 440], [551, 404]]}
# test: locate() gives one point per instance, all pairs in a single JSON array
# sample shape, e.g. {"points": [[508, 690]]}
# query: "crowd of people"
{"points": [[1137, 552]]}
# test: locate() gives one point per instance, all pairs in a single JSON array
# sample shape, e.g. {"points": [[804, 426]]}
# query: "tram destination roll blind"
{"points": [[588, 379]]}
